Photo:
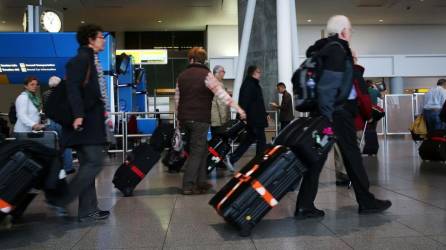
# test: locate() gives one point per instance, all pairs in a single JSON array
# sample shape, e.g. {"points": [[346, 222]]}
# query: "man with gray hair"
{"points": [[220, 111], [337, 102]]}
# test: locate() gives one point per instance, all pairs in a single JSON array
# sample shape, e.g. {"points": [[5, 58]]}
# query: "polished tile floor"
{"points": [[158, 217]]}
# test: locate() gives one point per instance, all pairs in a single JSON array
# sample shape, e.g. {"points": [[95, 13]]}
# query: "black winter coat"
{"points": [[85, 101], [251, 100]]}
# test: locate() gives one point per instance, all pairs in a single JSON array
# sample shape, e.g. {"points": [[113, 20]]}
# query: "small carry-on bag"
{"points": [[47, 138], [258, 187], [131, 172], [175, 160], [17, 177], [434, 148], [311, 138], [218, 148]]}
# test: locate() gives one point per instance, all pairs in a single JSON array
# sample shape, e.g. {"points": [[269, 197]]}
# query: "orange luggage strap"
{"points": [[244, 178]]}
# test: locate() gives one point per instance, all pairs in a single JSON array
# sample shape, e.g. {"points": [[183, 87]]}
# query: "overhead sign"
{"points": [[146, 56]]}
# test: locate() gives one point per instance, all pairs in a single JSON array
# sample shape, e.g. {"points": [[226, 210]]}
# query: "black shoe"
{"points": [[378, 207], [98, 215], [304, 213], [204, 187], [191, 191], [342, 183]]}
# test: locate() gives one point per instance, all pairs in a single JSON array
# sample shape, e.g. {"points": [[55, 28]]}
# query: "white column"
{"points": [[244, 44], [284, 44], [294, 35], [284, 49]]}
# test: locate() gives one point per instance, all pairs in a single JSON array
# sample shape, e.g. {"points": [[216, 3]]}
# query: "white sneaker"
{"points": [[228, 163]]}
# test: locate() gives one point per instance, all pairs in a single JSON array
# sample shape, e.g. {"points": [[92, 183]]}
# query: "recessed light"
{"points": [[159, 21], [309, 20], [82, 21], [381, 21]]}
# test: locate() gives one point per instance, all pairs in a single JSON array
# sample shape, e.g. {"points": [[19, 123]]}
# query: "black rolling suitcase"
{"points": [[434, 148], [232, 129], [218, 148], [310, 138], [46, 138], [130, 173], [17, 176], [258, 187]]}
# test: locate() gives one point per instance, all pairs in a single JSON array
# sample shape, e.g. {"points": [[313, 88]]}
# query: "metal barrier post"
{"points": [[146, 114]]}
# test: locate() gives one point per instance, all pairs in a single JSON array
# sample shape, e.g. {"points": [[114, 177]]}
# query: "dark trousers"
{"points": [[83, 184], [195, 170], [255, 134], [344, 128], [283, 124]]}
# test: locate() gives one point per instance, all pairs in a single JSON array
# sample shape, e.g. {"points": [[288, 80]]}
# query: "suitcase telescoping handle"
{"points": [[363, 134]]}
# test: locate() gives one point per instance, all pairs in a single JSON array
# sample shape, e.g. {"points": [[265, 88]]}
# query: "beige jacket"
{"points": [[220, 112]]}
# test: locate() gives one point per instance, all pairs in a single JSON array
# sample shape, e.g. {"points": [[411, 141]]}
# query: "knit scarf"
{"points": [[102, 82], [34, 99]]}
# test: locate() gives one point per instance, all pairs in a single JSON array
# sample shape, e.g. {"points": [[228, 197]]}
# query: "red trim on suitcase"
{"points": [[137, 172], [5, 207], [438, 139], [214, 152], [244, 178]]}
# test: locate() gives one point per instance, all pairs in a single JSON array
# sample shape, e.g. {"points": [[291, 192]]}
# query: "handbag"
{"points": [[377, 113], [418, 129]]}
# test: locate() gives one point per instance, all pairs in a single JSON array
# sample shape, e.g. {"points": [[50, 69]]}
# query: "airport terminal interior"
{"points": [[399, 43]]}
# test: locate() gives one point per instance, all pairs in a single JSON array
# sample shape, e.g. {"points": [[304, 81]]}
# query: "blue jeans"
{"points": [[433, 121], [68, 152]]}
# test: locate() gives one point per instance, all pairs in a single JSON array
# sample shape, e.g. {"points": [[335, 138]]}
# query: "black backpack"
{"points": [[12, 114], [57, 106], [305, 80]]}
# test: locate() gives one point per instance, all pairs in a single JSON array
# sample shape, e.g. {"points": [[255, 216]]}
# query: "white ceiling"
{"points": [[142, 15]]}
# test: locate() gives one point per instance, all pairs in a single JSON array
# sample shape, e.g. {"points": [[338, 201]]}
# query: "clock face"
{"points": [[51, 21]]}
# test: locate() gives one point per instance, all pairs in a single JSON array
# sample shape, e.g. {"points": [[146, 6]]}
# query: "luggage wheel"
{"points": [[127, 192]]}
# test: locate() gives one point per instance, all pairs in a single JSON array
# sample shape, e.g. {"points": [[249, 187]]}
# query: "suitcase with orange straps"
{"points": [[258, 187], [131, 172]]}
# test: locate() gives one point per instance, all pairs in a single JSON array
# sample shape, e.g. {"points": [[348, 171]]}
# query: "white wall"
{"points": [[420, 82], [367, 39], [386, 39], [222, 40]]}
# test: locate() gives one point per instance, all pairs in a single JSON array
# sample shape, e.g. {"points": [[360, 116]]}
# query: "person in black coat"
{"points": [[85, 90], [251, 100]]}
